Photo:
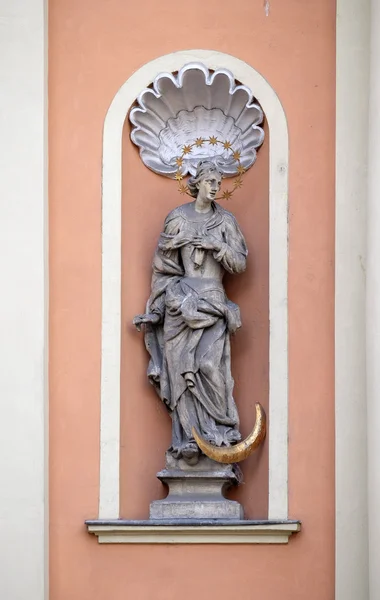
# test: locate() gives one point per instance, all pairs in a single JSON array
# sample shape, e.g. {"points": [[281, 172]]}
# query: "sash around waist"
{"points": [[204, 284]]}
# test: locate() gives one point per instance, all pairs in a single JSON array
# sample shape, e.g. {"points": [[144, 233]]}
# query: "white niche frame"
{"points": [[109, 489]]}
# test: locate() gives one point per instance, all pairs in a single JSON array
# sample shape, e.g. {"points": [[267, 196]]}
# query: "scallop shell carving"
{"points": [[196, 103]]}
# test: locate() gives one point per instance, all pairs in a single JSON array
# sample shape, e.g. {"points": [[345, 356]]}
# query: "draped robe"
{"points": [[190, 360]]}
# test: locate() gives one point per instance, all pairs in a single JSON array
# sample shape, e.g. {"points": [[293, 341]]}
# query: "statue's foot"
{"points": [[190, 453]]}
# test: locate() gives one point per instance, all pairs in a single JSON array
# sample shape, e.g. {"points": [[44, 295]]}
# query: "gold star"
{"points": [[178, 176], [212, 140], [241, 170], [199, 142], [227, 145], [186, 149], [236, 155], [183, 188], [238, 182], [226, 195], [179, 162]]}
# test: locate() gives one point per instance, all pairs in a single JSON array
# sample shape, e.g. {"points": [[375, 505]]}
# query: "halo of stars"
{"points": [[212, 141]]}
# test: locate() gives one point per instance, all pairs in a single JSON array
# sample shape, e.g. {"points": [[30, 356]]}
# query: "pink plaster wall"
{"points": [[94, 46]]}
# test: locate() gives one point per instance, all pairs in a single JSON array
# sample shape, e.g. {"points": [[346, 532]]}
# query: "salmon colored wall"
{"points": [[94, 46]]}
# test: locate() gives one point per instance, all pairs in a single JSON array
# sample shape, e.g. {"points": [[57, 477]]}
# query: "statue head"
{"points": [[206, 181]]}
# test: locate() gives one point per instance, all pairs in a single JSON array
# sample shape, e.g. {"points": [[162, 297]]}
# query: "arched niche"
{"points": [[109, 493]]}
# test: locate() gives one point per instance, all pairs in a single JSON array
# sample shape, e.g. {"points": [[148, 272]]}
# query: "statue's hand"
{"points": [[207, 242], [147, 318]]}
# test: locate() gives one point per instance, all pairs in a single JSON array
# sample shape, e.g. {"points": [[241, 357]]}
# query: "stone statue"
{"points": [[189, 319]]}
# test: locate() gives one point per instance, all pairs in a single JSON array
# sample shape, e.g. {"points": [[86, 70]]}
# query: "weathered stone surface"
{"points": [[197, 492], [189, 319]]}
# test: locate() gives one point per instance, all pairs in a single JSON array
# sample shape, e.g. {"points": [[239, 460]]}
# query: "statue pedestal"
{"points": [[197, 492]]}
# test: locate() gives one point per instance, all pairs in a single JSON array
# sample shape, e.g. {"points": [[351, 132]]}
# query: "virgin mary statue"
{"points": [[189, 319]]}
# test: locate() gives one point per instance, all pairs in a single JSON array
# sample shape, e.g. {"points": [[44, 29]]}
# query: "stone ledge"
{"points": [[118, 531]]}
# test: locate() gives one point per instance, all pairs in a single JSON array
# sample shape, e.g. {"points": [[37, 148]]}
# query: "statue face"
{"points": [[209, 186]]}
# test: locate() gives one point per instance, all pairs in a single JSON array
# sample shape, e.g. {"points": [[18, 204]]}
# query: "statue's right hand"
{"points": [[147, 318]]}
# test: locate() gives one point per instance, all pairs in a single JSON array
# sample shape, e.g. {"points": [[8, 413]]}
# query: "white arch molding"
{"points": [[111, 273]]}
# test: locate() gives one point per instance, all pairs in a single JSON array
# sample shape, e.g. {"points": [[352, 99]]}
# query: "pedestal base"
{"points": [[197, 492]]}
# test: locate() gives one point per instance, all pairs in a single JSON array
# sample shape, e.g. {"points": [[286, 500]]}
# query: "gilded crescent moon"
{"points": [[238, 452]]}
